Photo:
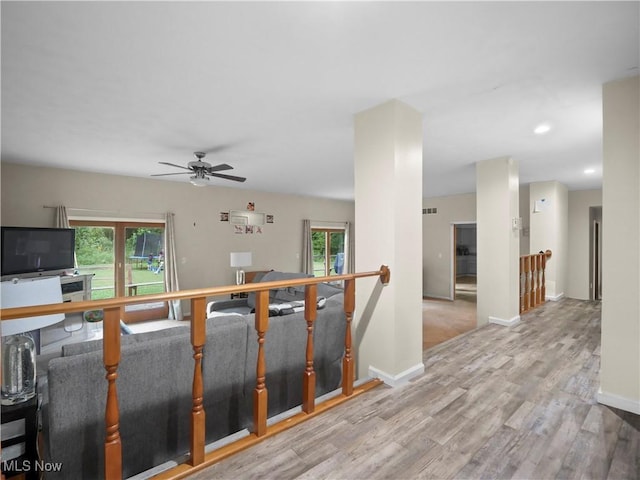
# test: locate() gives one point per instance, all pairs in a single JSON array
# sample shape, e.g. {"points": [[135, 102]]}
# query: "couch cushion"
{"points": [[280, 295], [329, 290], [285, 356], [154, 395], [93, 345]]}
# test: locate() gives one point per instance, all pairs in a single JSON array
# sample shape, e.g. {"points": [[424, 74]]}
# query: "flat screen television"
{"points": [[28, 250]]}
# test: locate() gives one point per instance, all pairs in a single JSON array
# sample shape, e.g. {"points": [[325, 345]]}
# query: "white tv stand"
{"points": [[75, 288]]}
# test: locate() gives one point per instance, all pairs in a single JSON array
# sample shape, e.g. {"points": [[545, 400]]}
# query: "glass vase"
{"points": [[18, 368]]}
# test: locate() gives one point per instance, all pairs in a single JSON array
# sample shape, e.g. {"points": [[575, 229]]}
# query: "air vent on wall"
{"points": [[429, 211]]}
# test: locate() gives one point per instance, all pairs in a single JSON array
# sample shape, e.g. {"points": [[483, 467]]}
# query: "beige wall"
{"points": [[620, 354], [578, 254], [437, 241], [203, 241], [525, 214], [498, 243], [549, 230], [388, 145]]}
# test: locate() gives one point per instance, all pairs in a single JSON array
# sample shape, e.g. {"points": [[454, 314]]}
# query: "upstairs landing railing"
{"points": [[532, 280], [197, 457]]}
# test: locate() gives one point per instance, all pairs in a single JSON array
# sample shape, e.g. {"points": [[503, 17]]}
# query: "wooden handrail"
{"points": [[70, 307], [111, 357], [532, 280]]}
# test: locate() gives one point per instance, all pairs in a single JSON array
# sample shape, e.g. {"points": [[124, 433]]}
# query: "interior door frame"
{"points": [[454, 255], [595, 253], [119, 264]]}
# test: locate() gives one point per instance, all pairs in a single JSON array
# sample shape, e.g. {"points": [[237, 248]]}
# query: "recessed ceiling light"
{"points": [[542, 129], [589, 171]]}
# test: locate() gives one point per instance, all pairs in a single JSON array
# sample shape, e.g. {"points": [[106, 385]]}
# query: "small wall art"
{"points": [[269, 218]]}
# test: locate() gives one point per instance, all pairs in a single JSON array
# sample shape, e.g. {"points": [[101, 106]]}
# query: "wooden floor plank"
{"points": [[497, 402]]}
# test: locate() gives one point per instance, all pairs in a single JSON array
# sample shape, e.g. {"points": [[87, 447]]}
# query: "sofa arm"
{"points": [[236, 304]]}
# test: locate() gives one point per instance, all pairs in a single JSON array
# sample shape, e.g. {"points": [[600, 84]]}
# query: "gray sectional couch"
{"points": [[154, 387]]}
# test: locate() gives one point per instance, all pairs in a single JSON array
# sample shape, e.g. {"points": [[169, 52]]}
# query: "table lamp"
{"points": [[239, 260], [18, 346]]}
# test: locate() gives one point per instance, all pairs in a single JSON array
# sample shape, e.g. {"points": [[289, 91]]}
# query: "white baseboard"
{"points": [[503, 322], [437, 297], [616, 401], [555, 298], [397, 380]]}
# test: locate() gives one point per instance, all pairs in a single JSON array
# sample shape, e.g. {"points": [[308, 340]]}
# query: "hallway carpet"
{"points": [[443, 320]]}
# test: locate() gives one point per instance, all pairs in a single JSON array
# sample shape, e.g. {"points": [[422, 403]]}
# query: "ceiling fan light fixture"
{"points": [[199, 181]]}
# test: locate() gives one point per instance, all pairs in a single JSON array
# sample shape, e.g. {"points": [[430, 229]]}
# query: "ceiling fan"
{"points": [[201, 171]]}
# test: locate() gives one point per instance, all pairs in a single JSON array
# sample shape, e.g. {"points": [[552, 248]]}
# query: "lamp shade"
{"points": [[28, 292], [240, 259]]}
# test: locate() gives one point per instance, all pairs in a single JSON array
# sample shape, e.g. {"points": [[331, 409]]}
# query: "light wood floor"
{"points": [[443, 320], [498, 402]]}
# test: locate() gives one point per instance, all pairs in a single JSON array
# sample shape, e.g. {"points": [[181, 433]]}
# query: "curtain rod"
{"points": [[107, 211]]}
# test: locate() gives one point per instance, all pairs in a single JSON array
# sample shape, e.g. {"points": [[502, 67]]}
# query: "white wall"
{"points": [[620, 353], [437, 251], [578, 254], [203, 241]]}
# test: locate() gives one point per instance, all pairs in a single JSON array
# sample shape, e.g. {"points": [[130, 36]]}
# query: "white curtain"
{"points": [[171, 267], [62, 219], [349, 242], [307, 248]]}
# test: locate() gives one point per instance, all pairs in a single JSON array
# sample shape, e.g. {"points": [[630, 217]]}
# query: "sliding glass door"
{"points": [[127, 259], [328, 251]]}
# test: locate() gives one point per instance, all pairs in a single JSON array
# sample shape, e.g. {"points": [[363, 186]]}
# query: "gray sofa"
{"points": [[154, 387]]}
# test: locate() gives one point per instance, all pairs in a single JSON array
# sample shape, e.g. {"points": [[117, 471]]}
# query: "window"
{"points": [[127, 259], [328, 251]]}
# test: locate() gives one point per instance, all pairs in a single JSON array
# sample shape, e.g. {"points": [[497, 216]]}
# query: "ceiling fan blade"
{"points": [[218, 148], [174, 165], [228, 177], [218, 168], [177, 173]]}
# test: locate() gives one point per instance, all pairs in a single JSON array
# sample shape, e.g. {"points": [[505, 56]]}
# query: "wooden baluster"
{"points": [[111, 359], [543, 262], [540, 297], [309, 376], [521, 283], [198, 415], [534, 284], [347, 361], [260, 394], [527, 280]]}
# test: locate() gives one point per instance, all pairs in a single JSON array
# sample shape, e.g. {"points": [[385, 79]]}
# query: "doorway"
{"points": [[464, 281], [595, 253], [126, 259]]}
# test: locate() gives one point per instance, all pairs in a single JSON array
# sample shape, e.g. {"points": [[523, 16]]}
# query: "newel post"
{"points": [[111, 359], [309, 376], [198, 339], [260, 394]]}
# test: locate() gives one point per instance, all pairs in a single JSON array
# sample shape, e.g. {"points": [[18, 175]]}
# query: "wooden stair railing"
{"points": [[532, 280], [198, 459]]}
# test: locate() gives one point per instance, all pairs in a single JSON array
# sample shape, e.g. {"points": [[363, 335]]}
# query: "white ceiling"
{"points": [[116, 87]]}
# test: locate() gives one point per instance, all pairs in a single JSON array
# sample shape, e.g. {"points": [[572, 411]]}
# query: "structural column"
{"points": [[388, 220], [549, 220], [620, 353], [498, 240]]}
